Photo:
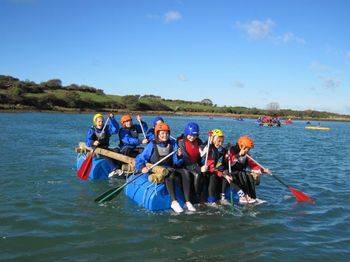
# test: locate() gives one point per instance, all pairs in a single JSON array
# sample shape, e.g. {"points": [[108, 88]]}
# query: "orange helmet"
{"points": [[245, 141], [125, 118], [161, 127]]}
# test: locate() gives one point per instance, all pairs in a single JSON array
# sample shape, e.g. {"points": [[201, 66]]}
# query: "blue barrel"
{"points": [[150, 196], [100, 168]]}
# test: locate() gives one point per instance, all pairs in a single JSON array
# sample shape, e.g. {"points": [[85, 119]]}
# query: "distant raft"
{"points": [[317, 127]]}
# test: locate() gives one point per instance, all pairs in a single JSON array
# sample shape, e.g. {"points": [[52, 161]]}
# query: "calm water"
{"points": [[46, 213]]}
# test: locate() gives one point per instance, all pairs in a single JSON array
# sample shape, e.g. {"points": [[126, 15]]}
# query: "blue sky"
{"points": [[234, 52]]}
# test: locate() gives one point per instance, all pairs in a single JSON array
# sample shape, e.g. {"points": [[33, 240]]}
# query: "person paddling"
{"points": [[240, 179], [129, 135], [99, 137], [96, 136], [161, 146]]}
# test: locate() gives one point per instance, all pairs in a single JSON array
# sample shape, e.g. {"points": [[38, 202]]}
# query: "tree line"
{"points": [[52, 95]]}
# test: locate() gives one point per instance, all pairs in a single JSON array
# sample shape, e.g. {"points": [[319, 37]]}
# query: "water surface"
{"points": [[46, 213]]}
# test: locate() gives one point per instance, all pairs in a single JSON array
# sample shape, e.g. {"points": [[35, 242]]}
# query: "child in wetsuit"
{"points": [[214, 164], [240, 180], [190, 171]]}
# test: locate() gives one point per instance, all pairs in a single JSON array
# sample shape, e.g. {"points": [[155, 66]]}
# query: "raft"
{"points": [[317, 128], [103, 162], [155, 197], [268, 124]]}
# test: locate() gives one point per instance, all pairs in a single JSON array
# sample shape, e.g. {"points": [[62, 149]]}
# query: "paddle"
{"points": [[205, 167], [300, 196], [143, 131], [85, 168], [208, 145], [113, 192], [230, 172]]}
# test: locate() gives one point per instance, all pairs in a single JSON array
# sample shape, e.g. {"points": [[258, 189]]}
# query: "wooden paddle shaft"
{"points": [[122, 158]]}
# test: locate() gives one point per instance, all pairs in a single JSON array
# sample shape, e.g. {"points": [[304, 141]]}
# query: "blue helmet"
{"points": [[156, 119], [192, 129]]}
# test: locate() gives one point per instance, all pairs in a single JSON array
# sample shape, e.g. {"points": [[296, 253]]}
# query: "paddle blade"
{"points": [[109, 195], [300, 196], [85, 168], [113, 192]]}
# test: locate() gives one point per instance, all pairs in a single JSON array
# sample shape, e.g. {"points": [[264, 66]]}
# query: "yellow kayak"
{"points": [[317, 128]]}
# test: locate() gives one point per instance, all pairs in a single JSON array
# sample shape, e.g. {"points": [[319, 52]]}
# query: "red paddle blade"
{"points": [[301, 197], [85, 168]]}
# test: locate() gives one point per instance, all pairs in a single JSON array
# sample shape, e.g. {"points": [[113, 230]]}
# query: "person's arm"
{"points": [[150, 134], [178, 158], [144, 157], [255, 167], [113, 126], [90, 137]]}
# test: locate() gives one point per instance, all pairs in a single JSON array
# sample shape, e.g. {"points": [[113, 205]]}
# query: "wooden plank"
{"points": [[122, 158]]}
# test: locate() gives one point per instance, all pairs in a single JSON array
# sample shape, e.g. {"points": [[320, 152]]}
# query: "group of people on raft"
{"points": [[204, 170], [268, 121]]}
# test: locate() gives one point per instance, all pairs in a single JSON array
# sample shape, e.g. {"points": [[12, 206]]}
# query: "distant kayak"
{"points": [[317, 128]]}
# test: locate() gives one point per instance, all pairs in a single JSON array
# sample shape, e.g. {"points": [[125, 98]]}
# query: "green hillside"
{"points": [[52, 96]]}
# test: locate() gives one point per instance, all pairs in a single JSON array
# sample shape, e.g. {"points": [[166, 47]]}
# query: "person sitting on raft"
{"points": [[214, 164], [129, 135], [96, 136], [189, 143], [157, 149], [99, 137], [240, 180]]}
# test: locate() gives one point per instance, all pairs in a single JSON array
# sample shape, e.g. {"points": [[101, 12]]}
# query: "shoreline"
{"points": [[22, 109]]}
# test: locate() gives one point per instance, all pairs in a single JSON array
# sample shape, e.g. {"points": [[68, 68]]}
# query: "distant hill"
{"points": [[16, 94]]}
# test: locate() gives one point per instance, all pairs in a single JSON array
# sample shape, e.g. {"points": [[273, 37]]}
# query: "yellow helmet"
{"points": [[217, 132], [97, 116]]}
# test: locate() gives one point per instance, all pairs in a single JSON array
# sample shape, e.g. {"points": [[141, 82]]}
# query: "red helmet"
{"points": [[245, 141], [161, 127]]}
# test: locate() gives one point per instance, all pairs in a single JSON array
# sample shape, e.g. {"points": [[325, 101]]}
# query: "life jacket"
{"points": [[191, 150], [240, 163], [160, 151], [102, 137], [215, 161]]}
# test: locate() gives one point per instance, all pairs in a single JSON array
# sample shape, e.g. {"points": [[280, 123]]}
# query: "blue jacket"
{"points": [[111, 129], [145, 156], [150, 134], [127, 139]]}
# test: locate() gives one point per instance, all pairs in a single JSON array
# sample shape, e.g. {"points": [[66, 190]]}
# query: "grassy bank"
{"points": [[51, 96]]}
